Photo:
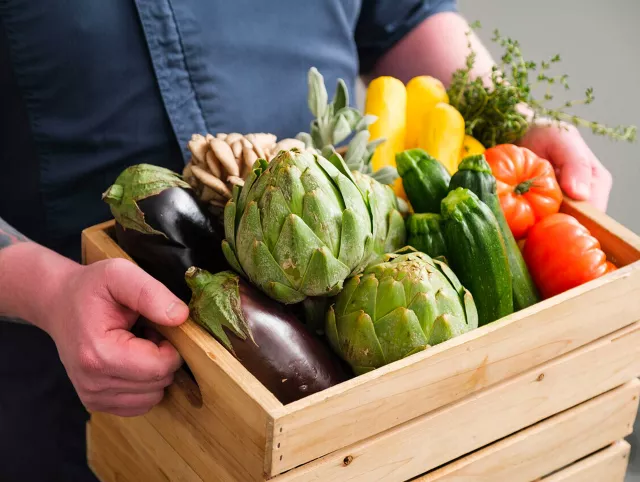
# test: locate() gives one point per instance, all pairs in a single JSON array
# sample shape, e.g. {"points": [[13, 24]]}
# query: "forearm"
{"points": [[437, 47], [30, 276]]}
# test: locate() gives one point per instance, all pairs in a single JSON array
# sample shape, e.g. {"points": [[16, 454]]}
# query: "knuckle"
{"points": [[89, 361]]}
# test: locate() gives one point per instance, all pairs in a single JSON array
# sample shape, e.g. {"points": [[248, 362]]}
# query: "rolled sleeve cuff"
{"points": [[384, 23]]}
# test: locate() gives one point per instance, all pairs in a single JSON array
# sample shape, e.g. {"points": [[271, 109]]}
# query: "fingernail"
{"points": [[176, 311]]}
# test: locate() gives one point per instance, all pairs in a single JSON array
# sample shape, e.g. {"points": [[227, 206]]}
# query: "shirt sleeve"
{"points": [[383, 23]]}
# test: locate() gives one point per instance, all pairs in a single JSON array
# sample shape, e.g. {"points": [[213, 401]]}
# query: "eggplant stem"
{"points": [[114, 194]]}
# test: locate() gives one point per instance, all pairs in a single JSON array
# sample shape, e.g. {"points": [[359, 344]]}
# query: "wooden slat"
{"points": [[608, 465], [621, 245], [478, 420], [548, 445], [399, 392], [236, 415], [132, 450]]}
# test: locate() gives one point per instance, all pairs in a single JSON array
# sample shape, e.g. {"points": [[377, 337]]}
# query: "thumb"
{"points": [[575, 179], [132, 287]]}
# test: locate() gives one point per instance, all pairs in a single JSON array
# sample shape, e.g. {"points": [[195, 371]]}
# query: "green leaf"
{"points": [[215, 304], [399, 334], [358, 341], [306, 138], [365, 122], [357, 148], [316, 136], [386, 175], [135, 184], [353, 116], [318, 96], [341, 97], [341, 129], [371, 146]]}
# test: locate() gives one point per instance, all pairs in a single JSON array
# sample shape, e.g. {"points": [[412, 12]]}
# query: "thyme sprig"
{"points": [[493, 113]]}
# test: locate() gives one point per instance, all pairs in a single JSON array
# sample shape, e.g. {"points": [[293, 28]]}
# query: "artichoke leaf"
{"points": [[281, 292], [390, 296], [470, 309], [399, 333], [231, 258], [323, 271], [274, 212], [323, 217], [266, 273], [362, 299], [425, 307], [357, 337], [295, 248], [446, 327]]}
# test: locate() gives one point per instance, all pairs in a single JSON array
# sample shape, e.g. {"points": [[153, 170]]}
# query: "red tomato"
{"points": [[527, 186], [561, 254]]}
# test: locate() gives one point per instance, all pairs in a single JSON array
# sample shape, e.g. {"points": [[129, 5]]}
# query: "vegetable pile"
{"points": [[368, 239]]}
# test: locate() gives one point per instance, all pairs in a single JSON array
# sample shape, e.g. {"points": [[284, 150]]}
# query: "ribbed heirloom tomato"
{"points": [[561, 254], [526, 184]]}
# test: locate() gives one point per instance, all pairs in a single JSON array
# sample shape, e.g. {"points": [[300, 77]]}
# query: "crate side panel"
{"points": [[402, 391], [482, 418], [608, 465], [551, 444], [132, 451], [621, 245], [235, 414]]}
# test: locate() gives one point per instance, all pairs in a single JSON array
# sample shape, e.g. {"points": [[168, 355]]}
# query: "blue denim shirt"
{"points": [[88, 87]]}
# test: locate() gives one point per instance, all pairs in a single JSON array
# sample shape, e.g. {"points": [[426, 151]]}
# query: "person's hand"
{"points": [[580, 174], [111, 369]]}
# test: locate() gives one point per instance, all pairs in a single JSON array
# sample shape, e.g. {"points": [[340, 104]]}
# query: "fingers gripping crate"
{"points": [[551, 388]]}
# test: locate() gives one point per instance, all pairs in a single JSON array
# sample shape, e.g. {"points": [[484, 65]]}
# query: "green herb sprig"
{"points": [[334, 121], [492, 113]]}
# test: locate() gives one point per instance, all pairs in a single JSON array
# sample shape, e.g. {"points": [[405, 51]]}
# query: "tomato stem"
{"points": [[523, 187]]}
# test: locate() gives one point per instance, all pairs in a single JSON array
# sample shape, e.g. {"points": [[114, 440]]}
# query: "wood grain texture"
{"points": [[608, 465], [414, 386], [432, 440], [132, 450], [621, 245], [229, 432], [555, 442]]}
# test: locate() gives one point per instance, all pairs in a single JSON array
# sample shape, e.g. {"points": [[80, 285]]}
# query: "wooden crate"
{"points": [[560, 367]]}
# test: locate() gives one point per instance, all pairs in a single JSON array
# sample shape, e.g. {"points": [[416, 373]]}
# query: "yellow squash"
{"points": [[470, 147], [423, 93], [387, 99], [442, 135]]}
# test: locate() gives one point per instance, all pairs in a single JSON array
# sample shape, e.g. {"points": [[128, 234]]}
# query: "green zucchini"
{"points": [[477, 253], [425, 180], [425, 233], [474, 173]]}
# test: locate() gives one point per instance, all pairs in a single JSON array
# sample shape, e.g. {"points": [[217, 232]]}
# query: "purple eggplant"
{"points": [[264, 335], [163, 226]]}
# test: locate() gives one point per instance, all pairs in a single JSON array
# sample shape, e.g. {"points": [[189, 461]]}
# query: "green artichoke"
{"points": [[388, 224], [299, 227], [397, 308]]}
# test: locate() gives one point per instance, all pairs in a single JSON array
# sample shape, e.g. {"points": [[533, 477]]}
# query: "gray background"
{"points": [[598, 42]]}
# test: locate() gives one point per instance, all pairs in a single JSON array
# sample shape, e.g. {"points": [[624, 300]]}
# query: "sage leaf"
{"points": [[366, 121], [318, 96], [357, 147], [341, 97], [386, 175], [341, 129]]}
